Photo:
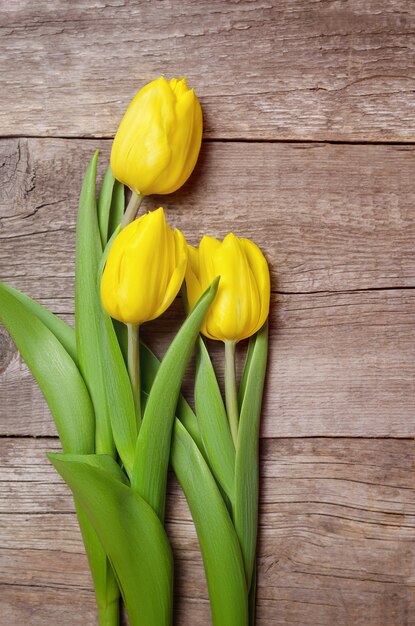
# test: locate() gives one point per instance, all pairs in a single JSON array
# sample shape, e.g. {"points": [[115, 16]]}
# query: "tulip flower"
{"points": [[241, 305], [242, 302], [158, 141], [144, 271]]}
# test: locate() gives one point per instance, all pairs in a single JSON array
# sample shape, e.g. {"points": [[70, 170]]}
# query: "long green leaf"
{"points": [[88, 318], [153, 443], [45, 341], [55, 371], [149, 365], [104, 205], [120, 397], [246, 468], [99, 353], [62, 331], [111, 205], [105, 583], [131, 533], [105, 255], [242, 384], [117, 207], [217, 538], [213, 422], [121, 332]]}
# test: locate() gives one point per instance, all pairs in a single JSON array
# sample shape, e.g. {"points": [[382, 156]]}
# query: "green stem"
{"points": [[134, 368], [133, 331], [231, 393], [132, 208]]}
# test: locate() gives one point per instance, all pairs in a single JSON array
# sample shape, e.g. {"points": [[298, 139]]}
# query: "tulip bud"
{"points": [[158, 141], [241, 305], [144, 270]]}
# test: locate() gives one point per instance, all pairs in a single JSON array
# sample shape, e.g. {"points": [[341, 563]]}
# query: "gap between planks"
{"points": [[268, 438], [249, 140]]}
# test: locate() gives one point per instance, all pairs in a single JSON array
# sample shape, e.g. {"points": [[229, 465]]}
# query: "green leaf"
{"points": [[149, 365], [105, 583], [105, 254], [111, 205], [88, 318], [48, 345], [55, 371], [99, 353], [131, 533], [120, 397], [153, 443], [242, 384], [104, 205], [62, 331], [117, 207], [246, 468], [121, 332], [213, 422], [218, 541]]}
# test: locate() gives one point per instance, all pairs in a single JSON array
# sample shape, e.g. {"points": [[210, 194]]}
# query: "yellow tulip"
{"points": [[241, 305], [158, 141], [144, 270]]}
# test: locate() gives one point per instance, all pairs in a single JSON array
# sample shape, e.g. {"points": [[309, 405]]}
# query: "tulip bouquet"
{"points": [[118, 409]]}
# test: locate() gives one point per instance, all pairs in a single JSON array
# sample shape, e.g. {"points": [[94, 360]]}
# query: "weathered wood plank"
{"points": [[336, 537], [341, 363], [329, 217], [38, 605], [292, 70]]}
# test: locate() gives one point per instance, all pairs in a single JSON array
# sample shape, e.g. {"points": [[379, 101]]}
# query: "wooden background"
{"points": [[309, 150]]}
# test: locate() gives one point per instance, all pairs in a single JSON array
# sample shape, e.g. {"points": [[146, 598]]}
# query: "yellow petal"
{"points": [[178, 274], [207, 250], [259, 267], [178, 86], [194, 144], [233, 305], [183, 141], [193, 287]]}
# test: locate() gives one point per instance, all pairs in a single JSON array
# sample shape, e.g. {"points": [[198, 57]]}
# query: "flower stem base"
{"points": [[109, 615], [132, 208]]}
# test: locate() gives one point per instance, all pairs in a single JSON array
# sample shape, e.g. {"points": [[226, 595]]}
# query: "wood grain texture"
{"points": [[340, 242], [328, 217], [336, 221], [340, 365], [298, 69], [337, 523]]}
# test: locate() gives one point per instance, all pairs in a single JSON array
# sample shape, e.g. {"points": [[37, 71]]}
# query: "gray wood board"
{"points": [[337, 521], [328, 217], [297, 69], [340, 365]]}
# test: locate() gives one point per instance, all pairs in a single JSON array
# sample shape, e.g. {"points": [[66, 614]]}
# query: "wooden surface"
{"points": [[297, 69], [309, 150], [336, 537]]}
